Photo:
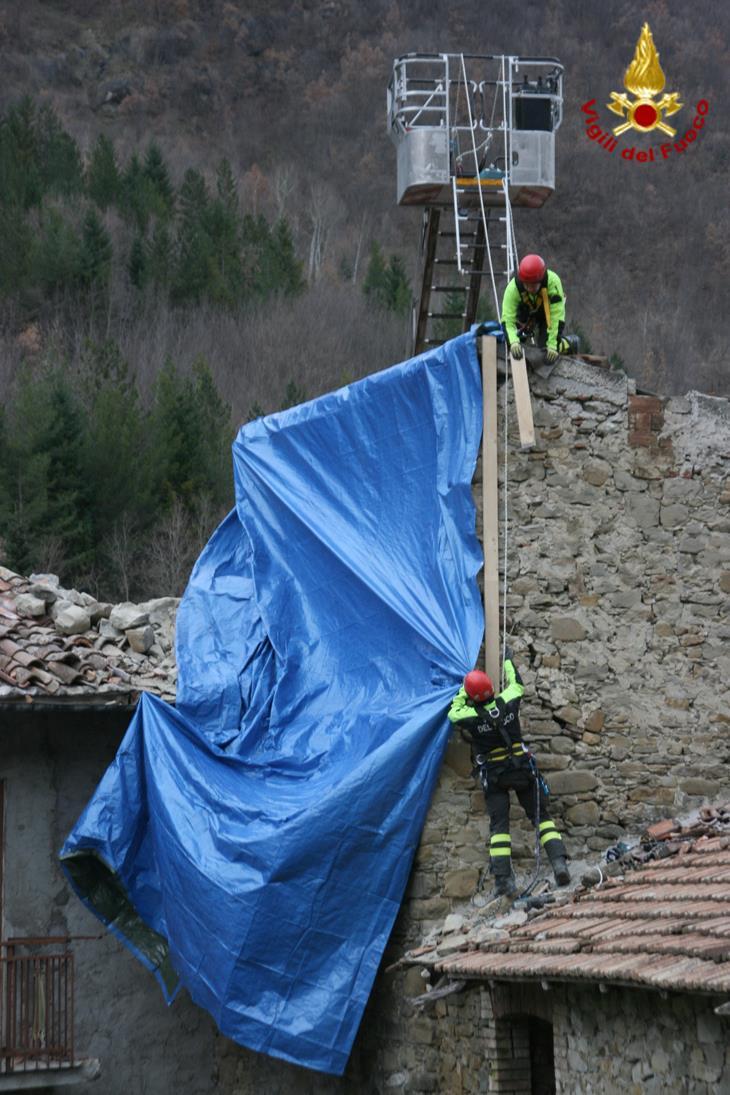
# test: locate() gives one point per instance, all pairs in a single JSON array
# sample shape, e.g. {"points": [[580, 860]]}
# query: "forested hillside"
{"points": [[198, 225]]}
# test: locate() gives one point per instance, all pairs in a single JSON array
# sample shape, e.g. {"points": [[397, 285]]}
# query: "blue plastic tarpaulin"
{"points": [[254, 843]]}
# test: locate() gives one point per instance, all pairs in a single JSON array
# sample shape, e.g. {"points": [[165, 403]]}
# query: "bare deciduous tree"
{"points": [[325, 212], [283, 186]]}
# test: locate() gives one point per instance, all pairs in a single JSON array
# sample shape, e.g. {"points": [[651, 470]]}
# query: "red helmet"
{"points": [[478, 686], [532, 268]]}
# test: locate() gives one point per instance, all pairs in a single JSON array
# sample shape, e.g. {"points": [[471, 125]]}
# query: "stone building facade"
{"points": [[618, 559], [618, 565]]}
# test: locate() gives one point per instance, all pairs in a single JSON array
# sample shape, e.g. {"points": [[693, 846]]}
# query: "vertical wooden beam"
{"points": [[523, 404], [490, 508]]}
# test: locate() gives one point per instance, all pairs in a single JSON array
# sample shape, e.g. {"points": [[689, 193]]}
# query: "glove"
{"points": [[516, 350], [552, 355]]}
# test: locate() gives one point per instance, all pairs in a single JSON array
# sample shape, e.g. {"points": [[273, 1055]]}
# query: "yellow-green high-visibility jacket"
{"points": [[549, 300], [485, 724]]}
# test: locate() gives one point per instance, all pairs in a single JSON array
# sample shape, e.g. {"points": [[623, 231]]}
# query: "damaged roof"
{"points": [[664, 923], [61, 646]]}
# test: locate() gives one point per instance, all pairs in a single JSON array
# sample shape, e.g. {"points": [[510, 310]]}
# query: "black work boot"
{"points": [[560, 870], [504, 885], [555, 850]]}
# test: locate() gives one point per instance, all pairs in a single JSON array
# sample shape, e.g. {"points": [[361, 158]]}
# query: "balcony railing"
{"points": [[36, 1004]]}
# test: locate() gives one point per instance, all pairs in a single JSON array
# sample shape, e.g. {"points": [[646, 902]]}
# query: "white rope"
{"points": [[511, 264], [479, 190], [511, 255]]}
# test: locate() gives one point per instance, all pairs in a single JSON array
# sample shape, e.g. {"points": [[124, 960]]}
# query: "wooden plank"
{"points": [[490, 509], [523, 404]]}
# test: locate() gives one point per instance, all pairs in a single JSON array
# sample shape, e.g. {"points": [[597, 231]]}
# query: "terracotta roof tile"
{"points": [[664, 924]]}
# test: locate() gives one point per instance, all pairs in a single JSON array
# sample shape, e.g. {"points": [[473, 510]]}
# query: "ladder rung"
{"points": [[449, 289], [446, 315], [485, 273]]}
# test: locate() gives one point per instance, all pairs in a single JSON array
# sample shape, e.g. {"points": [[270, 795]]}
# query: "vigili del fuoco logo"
{"points": [[642, 112]]}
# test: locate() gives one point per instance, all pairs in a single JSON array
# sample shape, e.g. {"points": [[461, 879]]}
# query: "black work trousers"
{"points": [[497, 783], [497, 786]]}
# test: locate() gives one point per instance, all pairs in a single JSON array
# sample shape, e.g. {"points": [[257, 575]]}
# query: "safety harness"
{"points": [[527, 298]]}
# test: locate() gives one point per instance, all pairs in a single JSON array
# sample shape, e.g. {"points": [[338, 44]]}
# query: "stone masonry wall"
{"points": [[618, 557], [639, 1043], [617, 599], [476, 1042], [618, 563]]}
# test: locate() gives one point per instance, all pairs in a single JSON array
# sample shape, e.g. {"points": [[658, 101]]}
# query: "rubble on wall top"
{"points": [[63, 646]]}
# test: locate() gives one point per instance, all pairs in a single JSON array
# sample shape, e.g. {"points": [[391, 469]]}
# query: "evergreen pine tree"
{"points": [[293, 395], [226, 189], [397, 291], [271, 265], [67, 515], [138, 199], [55, 257], [47, 504], [158, 177], [59, 158], [159, 256], [22, 184], [192, 433], [194, 198], [16, 248], [375, 283], [195, 249], [103, 181], [223, 223], [176, 437], [137, 265], [386, 285], [23, 480], [287, 271], [96, 252], [255, 243], [216, 436], [117, 465]]}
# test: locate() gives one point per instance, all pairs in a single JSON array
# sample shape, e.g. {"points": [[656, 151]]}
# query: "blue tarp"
{"points": [[255, 841]]}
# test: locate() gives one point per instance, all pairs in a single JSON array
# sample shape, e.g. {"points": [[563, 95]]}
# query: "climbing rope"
{"points": [[510, 262]]}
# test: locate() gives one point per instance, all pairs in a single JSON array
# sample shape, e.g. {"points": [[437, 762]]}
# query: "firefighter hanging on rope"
{"points": [[533, 309], [503, 763]]}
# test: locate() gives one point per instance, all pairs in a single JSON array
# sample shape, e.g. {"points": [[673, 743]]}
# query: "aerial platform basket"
{"points": [[477, 122]]}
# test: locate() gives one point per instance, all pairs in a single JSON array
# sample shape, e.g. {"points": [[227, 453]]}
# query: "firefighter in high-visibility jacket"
{"points": [[504, 763], [533, 306]]}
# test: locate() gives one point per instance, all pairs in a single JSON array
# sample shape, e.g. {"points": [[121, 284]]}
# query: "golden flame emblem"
{"points": [[644, 79]]}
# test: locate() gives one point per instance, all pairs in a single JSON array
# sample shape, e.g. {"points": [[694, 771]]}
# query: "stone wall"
{"points": [[479, 1041], [618, 563], [618, 579], [639, 1043]]}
